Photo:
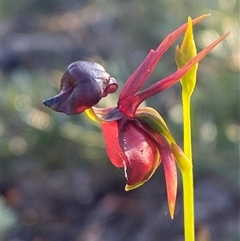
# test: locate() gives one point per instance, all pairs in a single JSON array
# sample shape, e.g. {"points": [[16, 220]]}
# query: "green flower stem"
{"points": [[188, 199], [187, 175], [187, 125]]}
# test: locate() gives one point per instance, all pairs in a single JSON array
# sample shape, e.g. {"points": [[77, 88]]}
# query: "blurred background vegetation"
{"points": [[41, 38]]}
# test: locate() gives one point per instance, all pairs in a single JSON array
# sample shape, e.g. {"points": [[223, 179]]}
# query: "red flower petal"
{"points": [[170, 171], [129, 105], [141, 152], [114, 151], [140, 75]]}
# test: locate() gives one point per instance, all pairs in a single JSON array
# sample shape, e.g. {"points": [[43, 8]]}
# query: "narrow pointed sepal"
{"points": [[170, 172], [130, 104], [141, 74]]}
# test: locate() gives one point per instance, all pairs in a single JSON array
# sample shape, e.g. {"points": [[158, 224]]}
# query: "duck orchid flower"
{"points": [[137, 138]]}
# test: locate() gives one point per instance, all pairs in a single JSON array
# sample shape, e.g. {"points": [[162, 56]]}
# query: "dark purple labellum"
{"points": [[82, 86]]}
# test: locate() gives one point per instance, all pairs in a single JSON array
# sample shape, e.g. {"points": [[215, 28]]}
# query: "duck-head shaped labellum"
{"points": [[82, 86]]}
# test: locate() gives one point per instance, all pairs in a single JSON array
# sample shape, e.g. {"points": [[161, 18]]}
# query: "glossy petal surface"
{"points": [[141, 151]]}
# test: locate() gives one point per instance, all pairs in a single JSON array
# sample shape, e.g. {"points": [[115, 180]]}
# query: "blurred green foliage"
{"points": [[40, 38]]}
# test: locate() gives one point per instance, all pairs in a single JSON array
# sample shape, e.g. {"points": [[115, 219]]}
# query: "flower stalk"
{"points": [[187, 175]]}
